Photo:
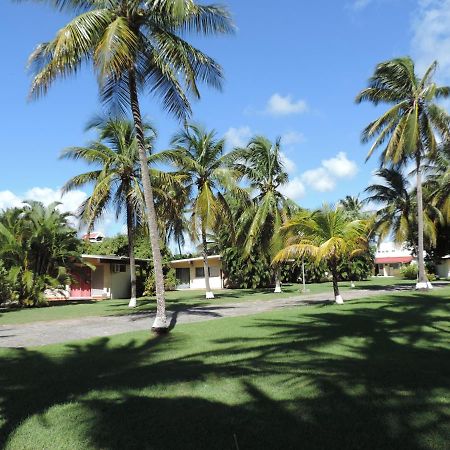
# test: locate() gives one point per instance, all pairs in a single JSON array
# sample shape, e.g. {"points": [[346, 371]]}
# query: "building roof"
{"points": [[199, 258], [393, 259], [114, 258]]}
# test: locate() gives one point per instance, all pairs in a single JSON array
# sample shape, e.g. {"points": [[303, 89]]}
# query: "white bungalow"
{"points": [[110, 278], [390, 258], [191, 275]]}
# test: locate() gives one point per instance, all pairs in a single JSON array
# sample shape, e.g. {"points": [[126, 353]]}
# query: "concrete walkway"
{"points": [[52, 332]]}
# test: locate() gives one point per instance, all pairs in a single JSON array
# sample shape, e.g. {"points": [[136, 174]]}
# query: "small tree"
{"points": [[326, 235]]}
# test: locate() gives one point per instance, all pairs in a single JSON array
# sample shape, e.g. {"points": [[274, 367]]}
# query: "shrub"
{"points": [[170, 282], [431, 277], [409, 272], [6, 286]]}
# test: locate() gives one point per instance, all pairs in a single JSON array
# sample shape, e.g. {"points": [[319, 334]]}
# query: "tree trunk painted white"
{"points": [[130, 231], [352, 284], [209, 294], [337, 295], [160, 324], [339, 300], [422, 281], [277, 289]]}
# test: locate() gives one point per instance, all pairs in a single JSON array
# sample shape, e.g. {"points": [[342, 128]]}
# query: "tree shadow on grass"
{"points": [[373, 377]]}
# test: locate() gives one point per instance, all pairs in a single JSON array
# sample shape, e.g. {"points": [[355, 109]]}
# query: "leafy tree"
{"points": [[135, 45], [325, 235], [410, 128], [260, 165], [353, 206]]}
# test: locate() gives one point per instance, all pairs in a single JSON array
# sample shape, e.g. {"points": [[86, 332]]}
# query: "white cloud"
{"points": [[292, 138], [282, 106], [323, 178], [319, 179], [238, 137], [431, 35], [9, 200], [294, 189], [289, 165], [69, 202], [340, 166]]}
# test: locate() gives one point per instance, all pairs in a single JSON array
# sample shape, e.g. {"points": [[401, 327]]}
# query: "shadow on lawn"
{"points": [[369, 378]]}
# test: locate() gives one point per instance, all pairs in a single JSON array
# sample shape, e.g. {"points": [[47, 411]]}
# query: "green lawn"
{"points": [[371, 374], [175, 301]]}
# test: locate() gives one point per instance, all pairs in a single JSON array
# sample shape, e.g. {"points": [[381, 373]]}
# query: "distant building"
{"points": [[109, 278], [95, 236], [191, 274], [390, 258]]}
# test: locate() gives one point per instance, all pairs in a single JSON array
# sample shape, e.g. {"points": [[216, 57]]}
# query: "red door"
{"points": [[81, 284]]}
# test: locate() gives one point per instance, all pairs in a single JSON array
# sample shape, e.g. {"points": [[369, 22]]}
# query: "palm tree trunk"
{"points": [[422, 281], [160, 324], [130, 231], [337, 295], [209, 293], [277, 289]]}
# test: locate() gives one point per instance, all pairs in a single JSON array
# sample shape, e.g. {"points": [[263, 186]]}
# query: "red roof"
{"points": [[393, 259]]}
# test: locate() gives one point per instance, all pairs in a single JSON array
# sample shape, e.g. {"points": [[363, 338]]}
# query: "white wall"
{"points": [[120, 284], [443, 269], [215, 281]]}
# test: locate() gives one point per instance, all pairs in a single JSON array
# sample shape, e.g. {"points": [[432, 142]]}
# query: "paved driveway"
{"points": [[44, 333]]}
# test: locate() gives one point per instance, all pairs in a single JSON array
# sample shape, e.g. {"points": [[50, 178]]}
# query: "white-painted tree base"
{"points": [[159, 323], [352, 284], [424, 285], [132, 303], [277, 290], [209, 295], [339, 300]]}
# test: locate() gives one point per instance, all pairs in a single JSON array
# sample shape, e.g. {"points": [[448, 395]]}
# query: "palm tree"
{"points": [[326, 235], [409, 128], [116, 180], [134, 45], [199, 156], [352, 205], [261, 166]]}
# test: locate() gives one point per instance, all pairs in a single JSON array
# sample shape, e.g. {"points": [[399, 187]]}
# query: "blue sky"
{"points": [[292, 70]]}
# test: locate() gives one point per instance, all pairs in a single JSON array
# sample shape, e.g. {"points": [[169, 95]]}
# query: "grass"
{"points": [[371, 374], [175, 301]]}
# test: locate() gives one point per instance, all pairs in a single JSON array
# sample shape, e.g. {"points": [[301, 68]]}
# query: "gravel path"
{"points": [[44, 333]]}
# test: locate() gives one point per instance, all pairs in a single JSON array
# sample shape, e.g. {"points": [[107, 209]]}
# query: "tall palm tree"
{"points": [[133, 45], [326, 235], [199, 156], [261, 166], [410, 128], [116, 179]]}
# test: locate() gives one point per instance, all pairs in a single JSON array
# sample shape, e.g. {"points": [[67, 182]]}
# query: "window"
{"points": [[199, 272], [214, 271], [119, 268]]}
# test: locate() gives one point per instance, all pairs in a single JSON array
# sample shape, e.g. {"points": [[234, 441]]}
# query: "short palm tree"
{"points": [[261, 166], [326, 235], [352, 205], [116, 180], [136, 45], [199, 157], [411, 127]]}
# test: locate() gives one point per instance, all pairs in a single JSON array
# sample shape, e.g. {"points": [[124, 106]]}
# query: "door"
{"points": [[183, 277], [81, 284]]}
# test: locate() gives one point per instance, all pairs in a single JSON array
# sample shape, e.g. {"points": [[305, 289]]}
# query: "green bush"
{"points": [[431, 277], [6, 286], [409, 272], [170, 282]]}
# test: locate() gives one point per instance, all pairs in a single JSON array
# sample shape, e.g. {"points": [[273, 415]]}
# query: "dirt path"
{"points": [[44, 333]]}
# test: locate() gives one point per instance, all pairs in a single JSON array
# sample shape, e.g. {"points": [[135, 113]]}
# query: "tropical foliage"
{"points": [[136, 45], [411, 128], [325, 235], [37, 248]]}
